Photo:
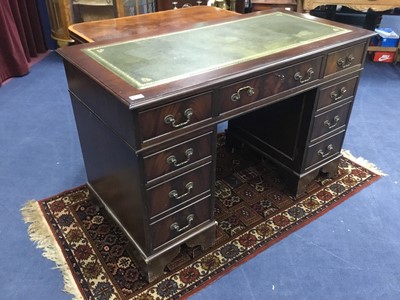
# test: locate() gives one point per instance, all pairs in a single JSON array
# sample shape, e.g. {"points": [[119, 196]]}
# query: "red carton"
{"points": [[383, 56]]}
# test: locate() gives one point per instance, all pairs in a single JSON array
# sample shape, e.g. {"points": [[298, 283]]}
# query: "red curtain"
{"points": [[21, 37]]}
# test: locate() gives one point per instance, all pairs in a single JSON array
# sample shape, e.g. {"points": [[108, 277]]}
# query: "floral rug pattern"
{"points": [[253, 210]]}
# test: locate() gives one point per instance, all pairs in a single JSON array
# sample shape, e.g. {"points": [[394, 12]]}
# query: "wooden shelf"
{"points": [[396, 50], [385, 49], [259, 5]]}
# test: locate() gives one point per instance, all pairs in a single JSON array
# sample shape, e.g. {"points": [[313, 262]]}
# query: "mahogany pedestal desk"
{"points": [[147, 108]]}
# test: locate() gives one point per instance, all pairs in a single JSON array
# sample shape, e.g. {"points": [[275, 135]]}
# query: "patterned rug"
{"points": [[253, 210]]}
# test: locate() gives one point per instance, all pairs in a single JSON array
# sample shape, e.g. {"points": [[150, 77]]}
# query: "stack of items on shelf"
{"points": [[387, 43]]}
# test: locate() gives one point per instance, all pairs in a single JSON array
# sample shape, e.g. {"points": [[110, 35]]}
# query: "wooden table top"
{"points": [[202, 81], [164, 58], [147, 24]]}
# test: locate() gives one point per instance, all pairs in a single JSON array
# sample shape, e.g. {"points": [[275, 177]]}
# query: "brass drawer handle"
{"points": [[337, 95], [328, 124], [298, 77], [236, 96], [170, 119], [173, 161], [345, 62], [174, 193], [328, 151], [175, 226]]}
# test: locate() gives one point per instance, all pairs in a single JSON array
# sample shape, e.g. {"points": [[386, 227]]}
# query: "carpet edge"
{"points": [[42, 236], [363, 163], [33, 213], [293, 230]]}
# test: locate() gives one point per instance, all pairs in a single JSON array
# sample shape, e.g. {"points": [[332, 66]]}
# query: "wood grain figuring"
{"points": [[159, 195], [344, 59], [324, 150], [277, 104], [330, 121], [200, 107], [167, 5], [362, 5], [260, 5], [269, 84], [146, 25], [162, 232], [157, 164], [337, 93]]}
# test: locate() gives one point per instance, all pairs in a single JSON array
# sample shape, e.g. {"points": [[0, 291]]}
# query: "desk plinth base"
{"points": [[298, 183], [154, 266]]}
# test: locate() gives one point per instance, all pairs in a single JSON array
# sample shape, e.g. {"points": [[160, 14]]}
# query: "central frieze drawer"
{"points": [[323, 150], [330, 120], [344, 59], [178, 156], [251, 90], [172, 117], [179, 190], [180, 222]]}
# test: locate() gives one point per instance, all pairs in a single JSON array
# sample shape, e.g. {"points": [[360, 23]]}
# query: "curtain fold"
{"points": [[21, 37]]}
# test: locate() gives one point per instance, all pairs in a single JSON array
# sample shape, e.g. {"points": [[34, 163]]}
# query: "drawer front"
{"points": [[330, 121], [180, 222], [334, 94], [324, 150], [248, 91], [172, 117], [177, 157], [344, 59], [180, 190]]}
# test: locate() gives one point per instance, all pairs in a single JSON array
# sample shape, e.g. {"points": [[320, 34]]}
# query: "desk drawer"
{"points": [[324, 150], [330, 121], [177, 157], [344, 59], [172, 117], [179, 190], [248, 91], [180, 222], [336, 93]]}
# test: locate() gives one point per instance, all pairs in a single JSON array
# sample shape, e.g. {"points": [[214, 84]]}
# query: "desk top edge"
{"points": [[122, 90]]}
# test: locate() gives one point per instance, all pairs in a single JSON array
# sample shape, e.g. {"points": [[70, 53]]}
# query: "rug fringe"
{"points": [[41, 234], [363, 162]]}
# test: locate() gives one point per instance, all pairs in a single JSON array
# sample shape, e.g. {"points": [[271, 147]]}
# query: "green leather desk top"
{"points": [[165, 58]]}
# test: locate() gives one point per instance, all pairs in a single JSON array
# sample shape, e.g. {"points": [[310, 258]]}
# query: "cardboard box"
{"points": [[383, 56]]}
